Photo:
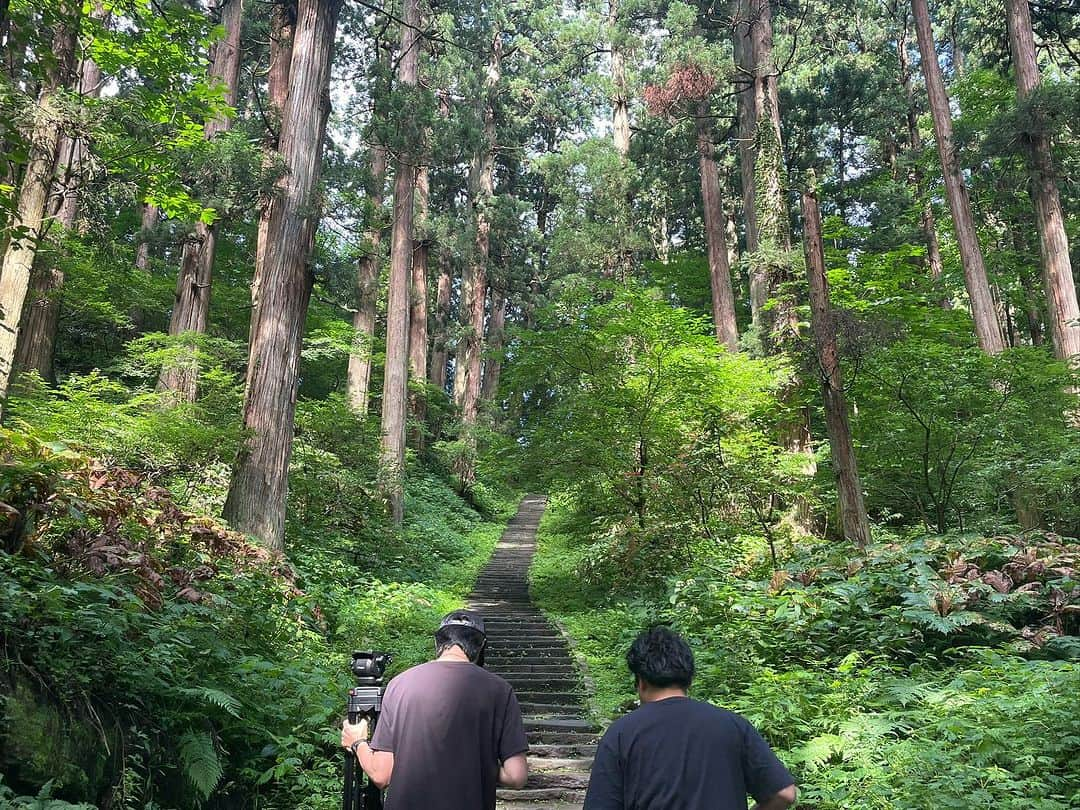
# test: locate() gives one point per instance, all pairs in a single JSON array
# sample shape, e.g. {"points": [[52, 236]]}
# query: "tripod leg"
{"points": [[350, 794]]}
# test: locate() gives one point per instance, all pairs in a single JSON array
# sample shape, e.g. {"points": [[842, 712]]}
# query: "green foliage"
{"points": [[217, 669], [874, 687], [653, 427]]}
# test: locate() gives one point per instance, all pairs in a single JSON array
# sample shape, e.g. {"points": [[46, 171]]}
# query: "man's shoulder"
{"points": [[686, 710], [440, 670]]}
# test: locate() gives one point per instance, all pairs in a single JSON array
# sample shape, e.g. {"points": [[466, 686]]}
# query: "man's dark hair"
{"points": [[661, 658], [469, 639]]}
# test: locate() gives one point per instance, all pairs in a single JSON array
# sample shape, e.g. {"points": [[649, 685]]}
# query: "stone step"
{"points": [[541, 737], [541, 682], [540, 795], [549, 698], [541, 763], [568, 724], [516, 805], [567, 780], [553, 709], [552, 670], [563, 750]]}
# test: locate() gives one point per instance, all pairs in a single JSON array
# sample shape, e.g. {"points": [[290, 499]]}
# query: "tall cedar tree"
{"points": [[358, 373], [30, 217], [41, 317], [474, 282], [987, 328], [848, 486], [191, 302], [418, 304], [1053, 242], [281, 288], [396, 375]]}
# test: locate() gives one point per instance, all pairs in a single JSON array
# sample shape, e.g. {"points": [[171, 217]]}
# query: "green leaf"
{"points": [[199, 760]]}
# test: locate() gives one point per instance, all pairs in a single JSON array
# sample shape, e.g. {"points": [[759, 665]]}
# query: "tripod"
{"points": [[365, 700]]}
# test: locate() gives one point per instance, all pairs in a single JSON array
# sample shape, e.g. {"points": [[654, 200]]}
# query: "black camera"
{"points": [[365, 700]]}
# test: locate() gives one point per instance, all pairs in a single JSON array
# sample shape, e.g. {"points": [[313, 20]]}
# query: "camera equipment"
{"points": [[365, 700]]}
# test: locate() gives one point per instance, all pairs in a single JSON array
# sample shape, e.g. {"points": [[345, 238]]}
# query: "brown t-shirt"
{"points": [[449, 725]]}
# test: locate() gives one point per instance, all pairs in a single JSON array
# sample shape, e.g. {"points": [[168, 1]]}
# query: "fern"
{"points": [[214, 697], [200, 762]]}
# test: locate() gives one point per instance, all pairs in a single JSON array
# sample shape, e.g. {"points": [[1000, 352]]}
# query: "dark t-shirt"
{"points": [[681, 754], [449, 724]]}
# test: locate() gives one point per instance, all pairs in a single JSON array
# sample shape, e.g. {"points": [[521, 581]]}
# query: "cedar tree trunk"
{"points": [[987, 328], [191, 304], [396, 375], [849, 488], [723, 299], [281, 288], [1053, 242]]}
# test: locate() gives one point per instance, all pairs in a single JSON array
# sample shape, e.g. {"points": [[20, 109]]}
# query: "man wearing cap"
{"points": [[449, 731]]}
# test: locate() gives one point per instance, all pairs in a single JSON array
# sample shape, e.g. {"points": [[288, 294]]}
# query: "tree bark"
{"points": [[281, 288], [440, 353], [474, 289], [41, 312], [282, 28], [37, 336], [496, 336], [744, 100], [418, 306], [768, 270], [723, 299], [987, 328], [1058, 282], [148, 215], [620, 103], [358, 376], [191, 303], [30, 216], [849, 489], [396, 375]]}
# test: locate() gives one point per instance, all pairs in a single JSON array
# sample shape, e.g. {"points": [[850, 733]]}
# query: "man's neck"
{"points": [[654, 694], [455, 653]]}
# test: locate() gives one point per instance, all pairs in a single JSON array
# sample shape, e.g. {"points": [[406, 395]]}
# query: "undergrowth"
{"points": [[153, 658], [936, 671]]}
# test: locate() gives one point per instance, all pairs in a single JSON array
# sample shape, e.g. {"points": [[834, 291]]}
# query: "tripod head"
{"points": [[369, 669]]}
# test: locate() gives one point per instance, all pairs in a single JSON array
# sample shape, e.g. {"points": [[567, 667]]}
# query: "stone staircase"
{"points": [[531, 653]]}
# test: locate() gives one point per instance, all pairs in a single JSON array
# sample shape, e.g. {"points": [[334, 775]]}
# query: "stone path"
{"points": [[531, 653]]}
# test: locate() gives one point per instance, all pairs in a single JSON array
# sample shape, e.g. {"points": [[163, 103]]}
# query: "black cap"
{"points": [[465, 618]]}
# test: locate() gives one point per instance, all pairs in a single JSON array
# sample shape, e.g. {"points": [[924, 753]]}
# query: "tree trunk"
{"points": [[744, 87], [439, 352], [37, 335], [1053, 243], [191, 304], [358, 377], [281, 288], [768, 269], [849, 488], [41, 312], [620, 104], [282, 28], [149, 218], [30, 220], [723, 299], [482, 190], [396, 375], [987, 328], [496, 337], [418, 306]]}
